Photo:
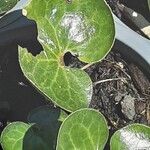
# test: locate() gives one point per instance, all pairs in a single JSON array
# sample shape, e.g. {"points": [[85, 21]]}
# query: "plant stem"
{"points": [[87, 66]]}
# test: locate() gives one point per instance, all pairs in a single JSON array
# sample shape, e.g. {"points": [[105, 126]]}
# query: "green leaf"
{"points": [[84, 28], [6, 5], [131, 137], [12, 136], [47, 119], [21, 136], [85, 129]]}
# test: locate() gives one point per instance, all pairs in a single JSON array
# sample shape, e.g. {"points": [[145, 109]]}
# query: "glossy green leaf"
{"points": [[85, 129], [22, 136], [48, 120], [6, 5], [132, 137], [84, 28]]}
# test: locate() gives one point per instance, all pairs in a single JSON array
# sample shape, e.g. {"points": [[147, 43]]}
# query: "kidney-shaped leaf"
{"points": [[132, 137], [22, 136], [85, 129], [12, 136], [6, 5], [84, 28]]}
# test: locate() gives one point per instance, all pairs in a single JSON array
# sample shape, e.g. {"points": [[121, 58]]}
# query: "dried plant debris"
{"points": [[140, 80], [116, 94], [119, 100]]}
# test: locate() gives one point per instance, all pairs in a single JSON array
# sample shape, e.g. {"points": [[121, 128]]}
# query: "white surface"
{"points": [[132, 39], [20, 5]]}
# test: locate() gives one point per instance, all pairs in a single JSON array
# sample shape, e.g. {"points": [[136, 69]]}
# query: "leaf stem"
{"points": [[87, 66]]}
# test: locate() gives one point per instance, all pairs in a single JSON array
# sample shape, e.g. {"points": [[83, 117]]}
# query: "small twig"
{"points": [[145, 94], [109, 80], [148, 114], [143, 112], [87, 66], [118, 67], [114, 123]]}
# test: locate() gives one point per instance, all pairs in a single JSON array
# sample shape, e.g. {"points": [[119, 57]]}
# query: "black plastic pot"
{"points": [[132, 56], [15, 91], [132, 45]]}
